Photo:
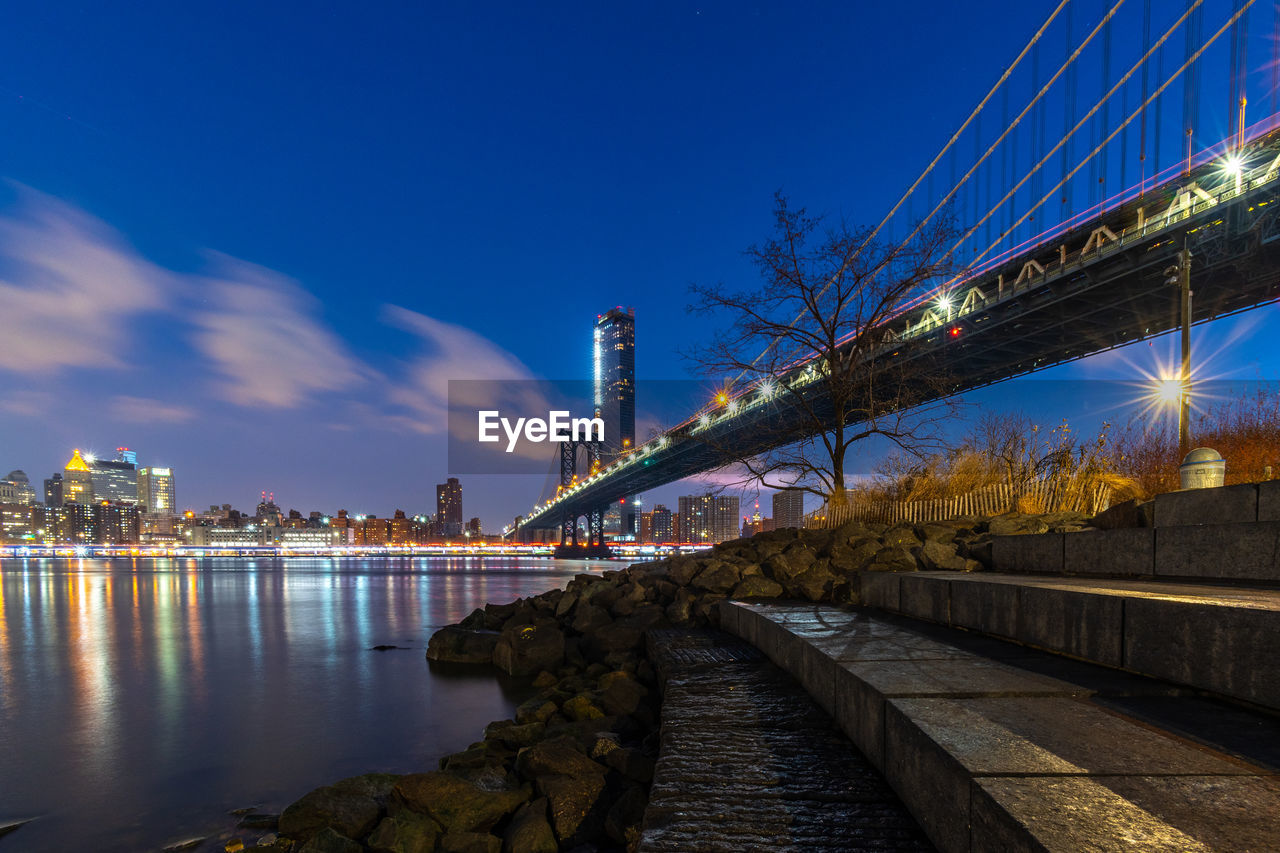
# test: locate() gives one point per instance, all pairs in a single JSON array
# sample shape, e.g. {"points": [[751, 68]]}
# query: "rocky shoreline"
{"points": [[571, 772]]}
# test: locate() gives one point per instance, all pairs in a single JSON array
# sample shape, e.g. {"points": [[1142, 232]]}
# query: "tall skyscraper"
{"points": [[53, 491], [124, 454], [788, 508], [114, 480], [77, 481], [449, 507], [614, 392], [155, 490], [614, 355], [708, 518]]}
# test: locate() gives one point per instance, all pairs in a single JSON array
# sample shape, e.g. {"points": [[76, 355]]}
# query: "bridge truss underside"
{"points": [[1120, 295]]}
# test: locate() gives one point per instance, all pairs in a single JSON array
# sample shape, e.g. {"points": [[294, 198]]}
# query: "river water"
{"points": [[141, 700]]}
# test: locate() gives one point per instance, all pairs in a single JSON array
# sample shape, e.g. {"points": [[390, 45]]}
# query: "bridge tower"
{"points": [[569, 457]]}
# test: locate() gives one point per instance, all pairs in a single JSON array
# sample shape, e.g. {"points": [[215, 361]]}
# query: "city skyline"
{"points": [[288, 314]]}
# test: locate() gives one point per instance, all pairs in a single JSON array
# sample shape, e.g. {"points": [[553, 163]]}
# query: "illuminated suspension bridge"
{"points": [[1030, 296]]}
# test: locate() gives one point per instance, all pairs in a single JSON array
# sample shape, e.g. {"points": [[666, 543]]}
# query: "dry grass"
{"points": [[1244, 429], [1049, 469]]}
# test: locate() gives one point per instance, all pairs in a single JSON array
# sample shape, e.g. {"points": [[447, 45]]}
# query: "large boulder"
{"points": [[892, 559], [454, 644], [351, 807], [1013, 523], [529, 649], [530, 831], [328, 841], [613, 637], [621, 693], [470, 842], [1131, 513], [813, 583], [406, 832], [622, 823], [756, 586], [940, 556], [457, 803], [681, 569], [573, 785], [717, 576], [851, 557]]}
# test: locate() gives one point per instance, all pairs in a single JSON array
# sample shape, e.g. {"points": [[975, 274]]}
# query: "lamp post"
{"points": [[1180, 274]]}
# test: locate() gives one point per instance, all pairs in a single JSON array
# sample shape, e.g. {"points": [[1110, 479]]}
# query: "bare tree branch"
{"points": [[825, 298]]}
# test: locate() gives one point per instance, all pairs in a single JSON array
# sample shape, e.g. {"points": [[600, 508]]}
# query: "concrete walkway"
{"points": [[996, 746], [749, 762]]}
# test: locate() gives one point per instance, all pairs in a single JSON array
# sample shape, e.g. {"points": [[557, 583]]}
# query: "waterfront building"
{"points": [[18, 522], [449, 507], [228, 537], [21, 484], [400, 529], [155, 490], [71, 523], [268, 514], [663, 526], [322, 537], [114, 480], [116, 524], [162, 528], [53, 491], [77, 481], [708, 518], [788, 508]]}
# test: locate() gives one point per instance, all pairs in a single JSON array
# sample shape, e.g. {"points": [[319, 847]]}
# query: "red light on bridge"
{"points": [[955, 333]]}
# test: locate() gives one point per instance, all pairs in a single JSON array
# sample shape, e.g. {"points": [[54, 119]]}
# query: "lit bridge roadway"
{"points": [[1077, 292]]}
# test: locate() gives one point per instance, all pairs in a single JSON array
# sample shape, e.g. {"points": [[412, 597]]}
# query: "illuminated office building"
{"points": [[77, 481], [155, 490]]}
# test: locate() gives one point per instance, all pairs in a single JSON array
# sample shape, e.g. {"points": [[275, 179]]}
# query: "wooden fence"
{"points": [[988, 500]]}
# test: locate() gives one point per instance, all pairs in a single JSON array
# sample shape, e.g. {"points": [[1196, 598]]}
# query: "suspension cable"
{"points": [[1191, 60]]}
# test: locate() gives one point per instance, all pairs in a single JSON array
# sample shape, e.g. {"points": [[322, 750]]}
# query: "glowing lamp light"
{"points": [[705, 420], [722, 399], [944, 302], [766, 390], [955, 333], [1166, 392], [1233, 165]]}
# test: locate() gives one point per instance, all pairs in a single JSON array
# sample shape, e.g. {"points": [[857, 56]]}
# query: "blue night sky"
{"points": [[254, 241]]}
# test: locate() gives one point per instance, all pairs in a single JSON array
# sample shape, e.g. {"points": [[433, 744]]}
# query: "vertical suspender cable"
{"points": [[1146, 88], [1233, 77], [1099, 186], [1242, 67], [1188, 97], [1068, 115]]}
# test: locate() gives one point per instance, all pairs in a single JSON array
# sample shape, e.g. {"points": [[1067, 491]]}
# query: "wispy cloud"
{"points": [[27, 403], [68, 285], [262, 333], [450, 352], [144, 410]]}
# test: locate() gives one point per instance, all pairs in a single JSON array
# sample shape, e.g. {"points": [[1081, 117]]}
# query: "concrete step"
{"points": [[995, 746], [1245, 551], [1213, 637], [749, 762]]}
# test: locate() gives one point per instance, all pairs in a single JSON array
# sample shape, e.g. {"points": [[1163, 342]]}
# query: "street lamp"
{"points": [[1180, 275]]}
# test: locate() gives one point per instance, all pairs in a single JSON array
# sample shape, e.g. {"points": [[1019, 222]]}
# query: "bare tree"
{"points": [[826, 297]]}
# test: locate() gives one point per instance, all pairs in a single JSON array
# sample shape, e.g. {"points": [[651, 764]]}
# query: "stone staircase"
{"points": [[1102, 690]]}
